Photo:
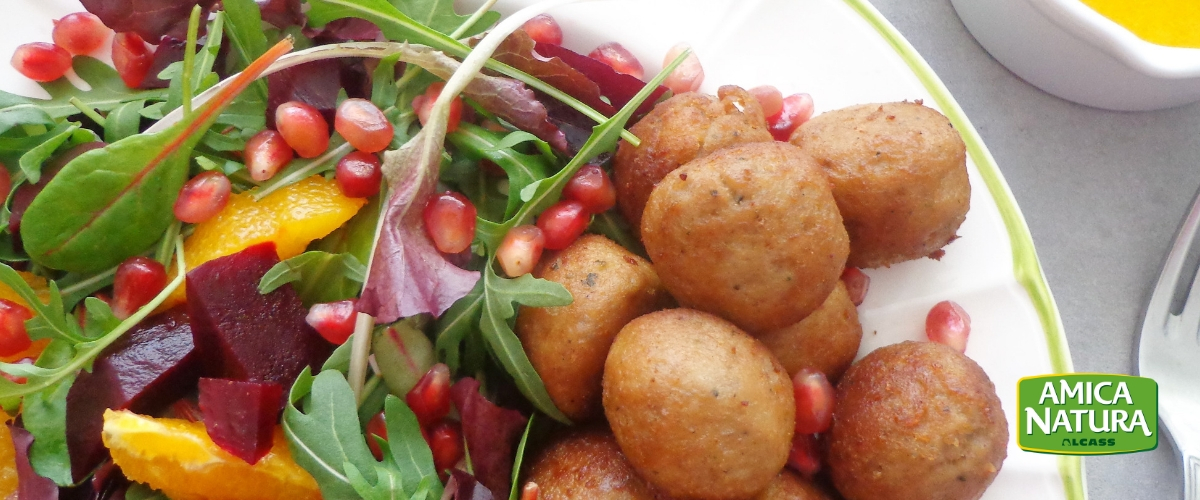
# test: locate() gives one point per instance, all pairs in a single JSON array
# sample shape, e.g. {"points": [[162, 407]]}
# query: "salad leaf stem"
{"points": [[76, 291], [359, 352], [87, 111], [189, 59]]}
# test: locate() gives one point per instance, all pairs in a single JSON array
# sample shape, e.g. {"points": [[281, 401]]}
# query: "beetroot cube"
{"points": [[144, 371], [240, 416], [245, 335]]}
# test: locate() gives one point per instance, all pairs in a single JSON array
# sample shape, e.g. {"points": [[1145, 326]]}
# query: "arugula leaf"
{"points": [[50, 320], [107, 91], [322, 276], [45, 416], [114, 202], [522, 169], [123, 121], [439, 15], [519, 458], [246, 37], [31, 161]]}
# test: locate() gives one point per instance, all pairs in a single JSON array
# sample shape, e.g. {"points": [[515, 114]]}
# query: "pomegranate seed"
{"points": [[814, 401], [543, 29], [450, 222], [592, 187], [797, 109], [358, 175], [948, 323], [804, 456], [5, 181], [41, 61], [137, 281], [132, 58], [202, 197], [446, 443], [430, 398], [80, 33], [857, 283], [363, 125], [562, 223], [520, 250], [266, 154], [619, 59], [13, 378], [769, 98], [423, 106], [303, 128], [333, 320], [530, 491], [688, 76], [377, 426], [13, 337]]}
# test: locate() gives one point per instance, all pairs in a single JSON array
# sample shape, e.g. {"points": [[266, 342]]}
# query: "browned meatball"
{"points": [[750, 233], [680, 129], [587, 464], [791, 486], [827, 340], [567, 345], [701, 409], [916, 420], [899, 174]]}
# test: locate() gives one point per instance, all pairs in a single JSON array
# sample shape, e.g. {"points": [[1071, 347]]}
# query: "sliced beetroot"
{"points": [[240, 416], [244, 335], [144, 371], [491, 433]]}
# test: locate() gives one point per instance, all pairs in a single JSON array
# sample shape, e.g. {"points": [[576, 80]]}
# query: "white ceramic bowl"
{"points": [[1069, 50]]}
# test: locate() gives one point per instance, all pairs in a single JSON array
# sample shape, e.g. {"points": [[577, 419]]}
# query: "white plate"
{"points": [[842, 52]]}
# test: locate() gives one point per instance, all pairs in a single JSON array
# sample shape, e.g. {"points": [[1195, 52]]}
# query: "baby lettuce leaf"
{"points": [[45, 416], [114, 202], [491, 432], [317, 276], [30, 485], [107, 92], [149, 18]]}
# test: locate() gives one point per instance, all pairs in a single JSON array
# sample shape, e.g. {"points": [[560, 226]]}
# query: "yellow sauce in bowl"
{"points": [[1174, 23]]}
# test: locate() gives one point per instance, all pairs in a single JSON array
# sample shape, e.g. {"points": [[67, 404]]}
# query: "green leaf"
{"points": [[139, 491], [318, 276], [440, 15], [50, 320], [456, 324], [107, 92], [523, 170], [31, 161], [383, 82], [246, 37], [519, 458], [45, 417], [326, 435], [123, 121], [408, 449]]}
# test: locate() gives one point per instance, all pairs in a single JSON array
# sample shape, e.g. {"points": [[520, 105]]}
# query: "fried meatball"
{"points": [[567, 345], [587, 464], [827, 340], [791, 486], [701, 409], [680, 129], [899, 174], [750, 233], [916, 420]]}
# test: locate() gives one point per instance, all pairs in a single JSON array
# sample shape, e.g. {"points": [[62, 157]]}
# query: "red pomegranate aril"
{"points": [[814, 401], [423, 106], [948, 323], [797, 109], [430, 398], [543, 29], [363, 125], [358, 175], [857, 283], [132, 58], [41, 61], [563, 223], [619, 59], [686, 77], [592, 187], [333, 320], [450, 222], [5, 181], [202, 197], [446, 443], [137, 281], [13, 337], [530, 491], [769, 98], [805, 456], [377, 426], [80, 33], [303, 128], [520, 250], [266, 154]]}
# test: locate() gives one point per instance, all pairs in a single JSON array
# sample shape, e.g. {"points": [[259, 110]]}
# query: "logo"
{"points": [[1087, 414]]}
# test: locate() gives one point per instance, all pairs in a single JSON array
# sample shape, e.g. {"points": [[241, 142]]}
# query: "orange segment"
{"points": [[8, 460], [292, 217], [177, 457]]}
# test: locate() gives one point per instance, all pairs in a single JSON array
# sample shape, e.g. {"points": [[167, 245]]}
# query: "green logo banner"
{"points": [[1087, 414]]}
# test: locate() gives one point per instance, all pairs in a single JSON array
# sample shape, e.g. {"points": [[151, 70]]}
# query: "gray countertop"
{"points": [[1103, 193]]}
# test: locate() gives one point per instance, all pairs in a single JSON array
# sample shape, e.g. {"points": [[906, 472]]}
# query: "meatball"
{"points": [[567, 345], [680, 129], [587, 464], [791, 486], [827, 340], [898, 172], [701, 409], [750, 233], [916, 420]]}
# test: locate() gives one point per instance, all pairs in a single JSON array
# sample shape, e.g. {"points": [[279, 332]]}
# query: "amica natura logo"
{"points": [[1087, 414]]}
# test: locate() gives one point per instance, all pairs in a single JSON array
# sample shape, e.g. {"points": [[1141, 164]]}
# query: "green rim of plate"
{"points": [[1026, 267]]}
